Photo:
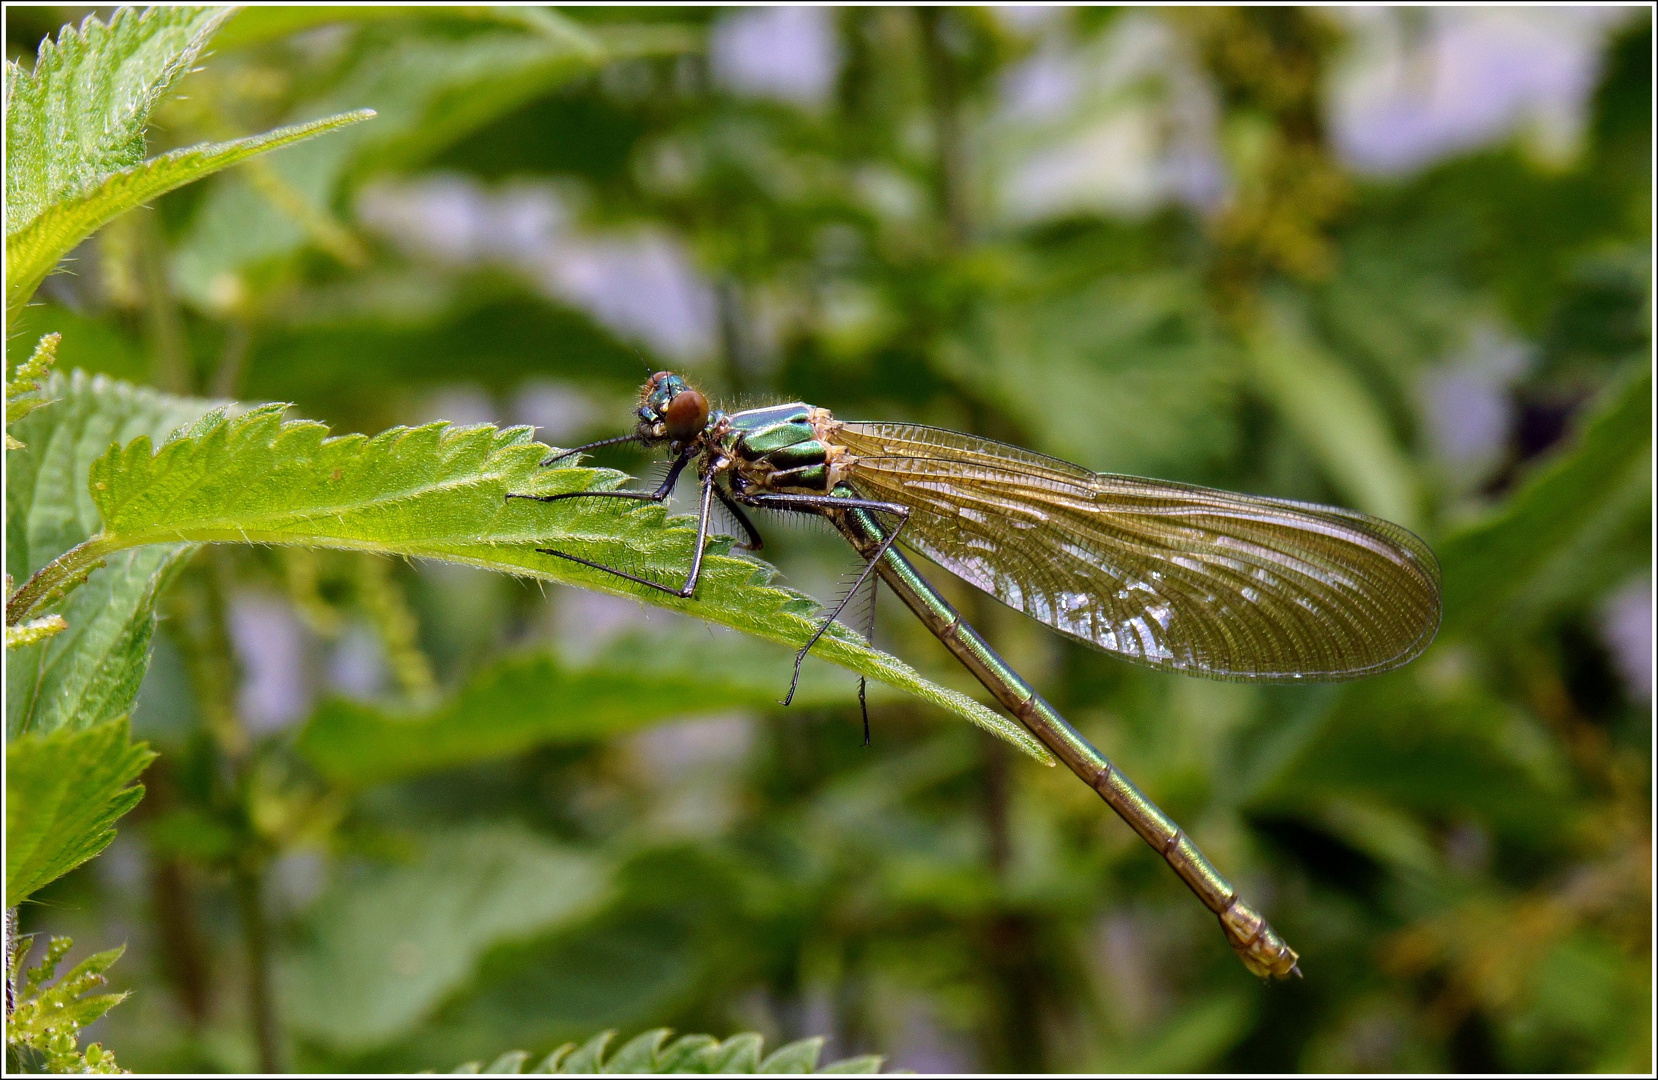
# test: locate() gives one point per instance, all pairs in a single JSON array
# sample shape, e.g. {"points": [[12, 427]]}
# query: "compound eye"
{"points": [[686, 415]]}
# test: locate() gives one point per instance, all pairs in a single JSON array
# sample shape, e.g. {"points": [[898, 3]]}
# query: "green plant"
{"points": [[654, 1053], [43, 1024], [418, 799]]}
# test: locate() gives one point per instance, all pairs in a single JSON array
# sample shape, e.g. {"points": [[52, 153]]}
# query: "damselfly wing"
{"points": [[1169, 575]]}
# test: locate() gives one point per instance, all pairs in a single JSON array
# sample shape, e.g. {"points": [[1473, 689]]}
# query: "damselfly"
{"points": [[1167, 575]]}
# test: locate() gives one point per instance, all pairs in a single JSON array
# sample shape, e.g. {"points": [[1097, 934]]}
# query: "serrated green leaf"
{"points": [[386, 948], [588, 1057], [550, 1063], [644, 1054], [64, 792], [511, 1062], [440, 492], [530, 700], [865, 1064], [638, 1054], [679, 1054], [80, 114], [738, 1054], [1603, 476], [799, 1056], [34, 250], [90, 671]]}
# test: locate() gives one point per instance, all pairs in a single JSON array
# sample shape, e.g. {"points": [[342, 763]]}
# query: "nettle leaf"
{"points": [[652, 1053], [1551, 532], [90, 671], [79, 115], [33, 251], [388, 946], [75, 133], [64, 792], [439, 492], [536, 699]]}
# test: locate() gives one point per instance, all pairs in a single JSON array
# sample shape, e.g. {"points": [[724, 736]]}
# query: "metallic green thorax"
{"points": [[776, 449]]}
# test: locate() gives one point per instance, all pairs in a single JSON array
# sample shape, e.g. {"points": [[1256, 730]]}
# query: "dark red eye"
{"points": [[685, 415]]}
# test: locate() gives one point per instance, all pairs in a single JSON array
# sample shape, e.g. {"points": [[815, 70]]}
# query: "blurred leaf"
{"points": [[1435, 741], [1128, 376], [34, 250], [1508, 559], [95, 345], [439, 492], [647, 1054], [261, 23], [387, 946], [80, 114], [530, 700], [92, 670], [1334, 414], [46, 1021], [427, 92], [1191, 1041], [64, 792], [620, 970]]}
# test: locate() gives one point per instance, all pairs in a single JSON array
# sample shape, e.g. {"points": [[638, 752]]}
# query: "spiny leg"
{"points": [[869, 637], [754, 541], [561, 455], [660, 494], [822, 504], [690, 585]]}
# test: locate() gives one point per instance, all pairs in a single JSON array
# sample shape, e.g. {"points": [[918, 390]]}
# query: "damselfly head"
{"points": [[670, 409]]}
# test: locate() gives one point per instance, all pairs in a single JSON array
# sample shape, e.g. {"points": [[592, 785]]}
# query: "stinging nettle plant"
{"points": [[113, 487]]}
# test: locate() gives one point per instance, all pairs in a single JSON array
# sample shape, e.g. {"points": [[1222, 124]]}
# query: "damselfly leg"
{"points": [[690, 586], [828, 505]]}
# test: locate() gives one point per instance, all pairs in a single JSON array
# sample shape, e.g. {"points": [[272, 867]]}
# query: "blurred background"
{"points": [[1397, 260]]}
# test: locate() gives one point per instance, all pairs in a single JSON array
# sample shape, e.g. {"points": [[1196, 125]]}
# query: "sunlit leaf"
{"points": [[79, 114], [440, 492], [90, 671], [34, 250], [64, 792]]}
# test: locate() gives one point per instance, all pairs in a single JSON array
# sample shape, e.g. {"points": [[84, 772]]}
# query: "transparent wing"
{"points": [[1168, 575]]}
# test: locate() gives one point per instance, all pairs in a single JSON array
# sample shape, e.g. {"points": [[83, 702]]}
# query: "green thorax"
{"points": [[778, 448]]}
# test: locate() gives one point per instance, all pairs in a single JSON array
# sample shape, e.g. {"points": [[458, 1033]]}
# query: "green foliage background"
{"points": [[531, 829]]}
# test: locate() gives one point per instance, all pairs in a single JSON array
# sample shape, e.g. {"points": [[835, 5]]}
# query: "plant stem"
{"points": [[172, 367], [945, 85], [249, 884], [55, 579]]}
